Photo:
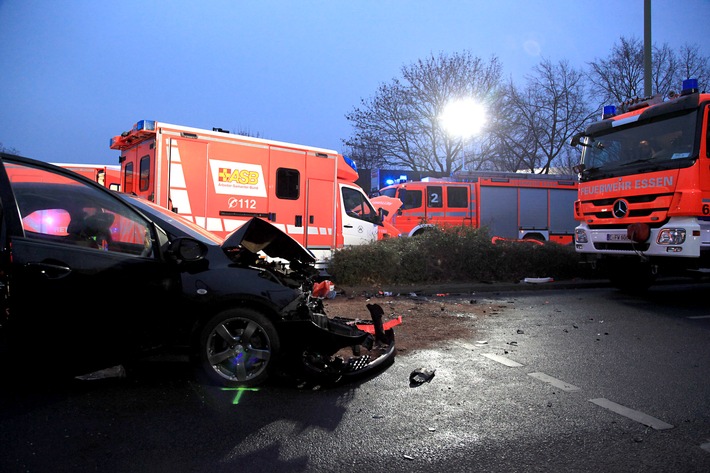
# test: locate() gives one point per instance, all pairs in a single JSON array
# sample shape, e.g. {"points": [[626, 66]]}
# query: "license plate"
{"points": [[617, 237]]}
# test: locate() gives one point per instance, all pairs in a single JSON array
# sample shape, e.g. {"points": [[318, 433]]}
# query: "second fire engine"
{"points": [[510, 205]]}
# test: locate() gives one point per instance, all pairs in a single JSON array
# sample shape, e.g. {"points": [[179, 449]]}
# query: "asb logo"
{"points": [[239, 179], [241, 176]]}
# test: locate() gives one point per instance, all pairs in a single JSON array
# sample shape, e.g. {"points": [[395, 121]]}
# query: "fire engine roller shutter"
{"points": [[533, 208], [562, 210], [499, 210]]}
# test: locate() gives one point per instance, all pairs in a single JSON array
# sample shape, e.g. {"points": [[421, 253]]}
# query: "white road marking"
{"points": [[467, 346], [554, 381], [700, 317], [637, 416], [501, 359]]}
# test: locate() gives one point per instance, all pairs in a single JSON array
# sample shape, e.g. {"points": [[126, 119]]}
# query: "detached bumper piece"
{"points": [[353, 347]]}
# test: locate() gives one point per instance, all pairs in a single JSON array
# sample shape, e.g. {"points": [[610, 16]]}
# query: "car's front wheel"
{"points": [[238, 347]]}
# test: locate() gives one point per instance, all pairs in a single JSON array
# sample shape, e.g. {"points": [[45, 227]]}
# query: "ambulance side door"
{"points": [[358, 216]]}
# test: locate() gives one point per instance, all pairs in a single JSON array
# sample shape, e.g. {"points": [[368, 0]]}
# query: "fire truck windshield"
{"points": [[641, 146]]}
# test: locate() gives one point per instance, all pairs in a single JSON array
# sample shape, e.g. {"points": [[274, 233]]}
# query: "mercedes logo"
{"points": [[620, 209]]}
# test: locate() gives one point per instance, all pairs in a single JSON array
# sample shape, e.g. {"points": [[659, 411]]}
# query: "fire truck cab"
{"points": [[643, 208]]}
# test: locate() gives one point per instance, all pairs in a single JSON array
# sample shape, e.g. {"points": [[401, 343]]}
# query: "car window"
{"points": [[59, 208], [171, 220], [411, 199], [357, 206]]}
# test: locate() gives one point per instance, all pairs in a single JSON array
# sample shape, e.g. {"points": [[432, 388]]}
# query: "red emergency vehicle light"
{"points": [[140, 131]]}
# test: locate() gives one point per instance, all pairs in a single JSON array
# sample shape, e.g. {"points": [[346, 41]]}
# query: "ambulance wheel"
{"points": [[238, 347]]}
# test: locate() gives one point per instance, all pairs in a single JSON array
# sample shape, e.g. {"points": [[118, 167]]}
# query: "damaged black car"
{"points": [[90, 278]]}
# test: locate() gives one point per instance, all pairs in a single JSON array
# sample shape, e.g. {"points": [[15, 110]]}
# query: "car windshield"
{"points": [[658, 141], [170, 218], [389, 192]]}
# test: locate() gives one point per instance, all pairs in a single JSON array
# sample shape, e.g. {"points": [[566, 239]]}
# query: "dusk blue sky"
{"points": [[77, 72]]}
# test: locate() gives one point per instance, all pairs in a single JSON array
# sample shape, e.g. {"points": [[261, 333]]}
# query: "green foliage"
{"points": [[456, 254]]}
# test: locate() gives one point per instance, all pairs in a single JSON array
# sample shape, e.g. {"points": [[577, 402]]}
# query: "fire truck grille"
{"points": [[633, 213], [650, 207], [632, 199]]}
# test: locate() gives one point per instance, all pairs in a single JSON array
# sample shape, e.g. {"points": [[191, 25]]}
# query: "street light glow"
{"points": [[463, 117]]}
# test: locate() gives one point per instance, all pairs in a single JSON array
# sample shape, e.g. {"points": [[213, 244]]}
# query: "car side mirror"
{"points": [[381, 214], [186, 249]]}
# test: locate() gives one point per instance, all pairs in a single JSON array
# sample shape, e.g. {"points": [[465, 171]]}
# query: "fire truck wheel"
{"points": [[238, 347], [535, 238]]}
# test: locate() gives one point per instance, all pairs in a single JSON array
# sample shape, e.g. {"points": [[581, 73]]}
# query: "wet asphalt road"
{"points": [[566, 379]]}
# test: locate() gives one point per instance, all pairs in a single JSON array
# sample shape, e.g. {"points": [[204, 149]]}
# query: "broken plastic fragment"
{"points": [[420, 376], [537, 280], [117, 371]]}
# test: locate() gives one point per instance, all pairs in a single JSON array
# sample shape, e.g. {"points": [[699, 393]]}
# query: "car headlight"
{"points": [[671, 236], [580, 236]]}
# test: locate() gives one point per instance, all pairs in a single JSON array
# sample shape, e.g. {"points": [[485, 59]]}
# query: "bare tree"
{"points": [[3, 149], [245, 131], [664, 69], [621, 75], [541, 118], [402, 120], [693, 66], [528, 128], [514, 137], [367, 155], [381, 126]]}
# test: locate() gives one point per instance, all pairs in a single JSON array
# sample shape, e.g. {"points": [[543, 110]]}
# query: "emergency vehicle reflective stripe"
{"points": [[457, 214], [181, 199], [178, 187]]}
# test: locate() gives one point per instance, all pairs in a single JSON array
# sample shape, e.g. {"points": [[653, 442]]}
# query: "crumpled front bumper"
{"points": [[351, 347]]}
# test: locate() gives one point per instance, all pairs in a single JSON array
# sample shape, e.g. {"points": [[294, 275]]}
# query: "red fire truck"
{"points": [[511, 205], [219, 180], [644, 191]]}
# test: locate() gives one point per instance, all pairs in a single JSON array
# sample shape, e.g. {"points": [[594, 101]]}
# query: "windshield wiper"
{"points": [[636, 161]]}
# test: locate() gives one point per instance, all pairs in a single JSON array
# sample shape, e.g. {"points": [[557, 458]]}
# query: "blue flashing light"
{"points": [[350, 162], [689, 86], [145, 125], [609, 111], [389, 182], [403, 178]]}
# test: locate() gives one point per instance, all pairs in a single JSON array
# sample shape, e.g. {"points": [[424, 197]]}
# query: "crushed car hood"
{"points": [[259, 235], [390, 204]]}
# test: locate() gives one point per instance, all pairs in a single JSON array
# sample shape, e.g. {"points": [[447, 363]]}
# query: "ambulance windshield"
{"points": [[356, 205]]}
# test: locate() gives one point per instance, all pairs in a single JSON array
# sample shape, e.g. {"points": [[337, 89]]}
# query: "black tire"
{"points": [[632, 278], [535, 237], [238, 347], [421, 231]]}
